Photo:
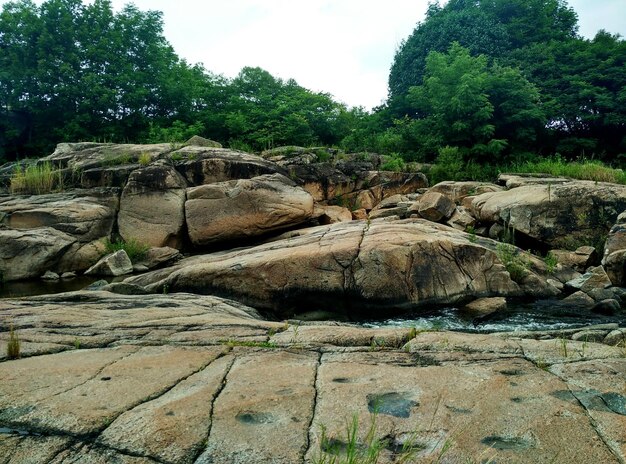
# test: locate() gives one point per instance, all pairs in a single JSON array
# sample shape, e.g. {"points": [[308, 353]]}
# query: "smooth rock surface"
{"points": [[115, 264]]}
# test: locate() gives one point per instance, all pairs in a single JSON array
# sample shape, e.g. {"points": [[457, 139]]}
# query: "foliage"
{"points": [[133, 248], [581, 169], [13, 345], [178, 132], [512, 259], [393, 163], [551, 262], [35, 179], [145, 159]]}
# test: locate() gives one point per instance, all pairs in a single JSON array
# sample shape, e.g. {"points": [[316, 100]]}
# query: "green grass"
{"points": [[551, 262], [133, 248], [251, 344], [145, 159], [13, 345], [582, 169], [515, 264], [36, 179]]}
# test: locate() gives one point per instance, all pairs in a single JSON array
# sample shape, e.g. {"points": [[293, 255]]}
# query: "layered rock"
{"points": [[245, 208], [564, 215], [380, 265], [614, 259], [152, 207]]}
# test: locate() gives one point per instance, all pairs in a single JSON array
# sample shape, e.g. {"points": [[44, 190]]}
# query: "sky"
{"points": [[341, 47]]}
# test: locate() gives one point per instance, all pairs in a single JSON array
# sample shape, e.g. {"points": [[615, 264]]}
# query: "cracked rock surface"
{"points": [[190, 379]]}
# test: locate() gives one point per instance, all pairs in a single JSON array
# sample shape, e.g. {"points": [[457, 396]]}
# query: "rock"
{"points": [[123, 288], [594, 336], [615, 337], [30, 253], [595, 277], [435, 207], [68, 275], [484, 306], [85, 215], [203, 165], [80, 257], [607, 307], [49, 275], [599, 294], [512, 181], [400, 211], [140, 268], [377, 265], [331, 214], [614, 259], [565, 215], [461, 219], [579, 260], [580, 299], [197, 141], [457, 191], [97, 285], [152, 207], [359, 214], [496, 231], [244, 208], [556, 284], [564, 274], [157, 256], [115, 264]]}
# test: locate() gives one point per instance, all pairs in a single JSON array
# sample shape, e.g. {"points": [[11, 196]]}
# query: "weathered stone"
{"points": [[457, 191], [49, 275], [615, 337], [483, 306], [115, 264], [198, 141], [245, 208], [157, 256], [331, 214], [607, 307], [152, 207], [579, 260], [359, 214], [599, 294], [461, 219], [512, 181], [29, 253], [614, 259], [595, 277], [203, 165], [435, 206], [85, 215], [581, 299], [386, 263], [68, 275], [564, 215], [596, 336]]}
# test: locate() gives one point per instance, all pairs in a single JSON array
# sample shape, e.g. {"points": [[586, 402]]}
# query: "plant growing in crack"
{"points": [[13, 345]]}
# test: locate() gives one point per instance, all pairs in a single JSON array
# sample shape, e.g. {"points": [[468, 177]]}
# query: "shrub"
{"points": [[133, 248], [515, 264], [36, 179], [393, 163]]}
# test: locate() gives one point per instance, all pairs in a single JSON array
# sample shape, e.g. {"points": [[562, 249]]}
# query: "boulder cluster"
{"points": [[294, 225]]}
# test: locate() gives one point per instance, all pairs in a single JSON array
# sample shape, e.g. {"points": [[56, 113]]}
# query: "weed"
{"points": [[77, 344], [133, 248], [562, 343], [36, 179], [551, 262], [112, 159], [176, 156], [515, 264], [472, 234], [541, 363], [145, 159], [13, 345]]}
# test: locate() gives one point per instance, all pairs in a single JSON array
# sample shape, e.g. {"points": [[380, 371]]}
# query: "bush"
{"points": [[515, 264], [581, 169], [393, 163], [36, 179]]}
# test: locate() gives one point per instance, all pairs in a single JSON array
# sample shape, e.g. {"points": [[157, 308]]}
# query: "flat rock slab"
{"points": [[188, 379], [264, 412]]}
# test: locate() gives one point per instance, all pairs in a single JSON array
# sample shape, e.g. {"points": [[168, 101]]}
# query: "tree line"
{"points": [[481, 81]]}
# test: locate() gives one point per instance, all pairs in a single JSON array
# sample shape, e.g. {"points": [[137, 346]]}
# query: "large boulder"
{"points": [[205, 165], [115, 264], [245, 208], [566, 215], [152, 207], [457, 191], [31, 252], [87, 215], [435, 207], [355, 265]]}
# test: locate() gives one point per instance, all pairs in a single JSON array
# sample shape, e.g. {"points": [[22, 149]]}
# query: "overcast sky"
{"points": [[342, 47]]}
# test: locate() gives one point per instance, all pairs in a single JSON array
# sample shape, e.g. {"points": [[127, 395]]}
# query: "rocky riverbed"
{"points": [[194, 353]]}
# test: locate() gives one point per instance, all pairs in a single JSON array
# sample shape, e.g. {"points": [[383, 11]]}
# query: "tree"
{"points": [[465, 102]]}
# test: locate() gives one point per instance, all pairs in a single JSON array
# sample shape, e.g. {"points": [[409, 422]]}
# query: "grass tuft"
{"points": [[133, 248], [36, 179], [13, 346], [515, 264]]}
